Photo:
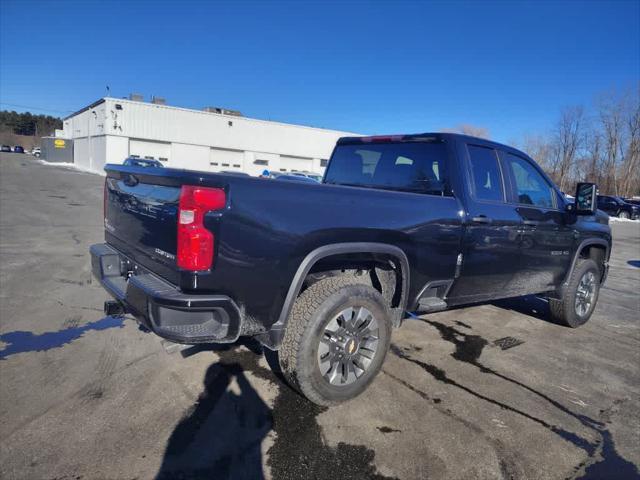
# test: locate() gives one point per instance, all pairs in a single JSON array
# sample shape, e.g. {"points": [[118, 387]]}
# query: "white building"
{"points": [[112, 129]]}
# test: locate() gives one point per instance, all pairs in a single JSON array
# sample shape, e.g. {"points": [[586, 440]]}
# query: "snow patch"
{"points": [[616, 219], [73, 166]]}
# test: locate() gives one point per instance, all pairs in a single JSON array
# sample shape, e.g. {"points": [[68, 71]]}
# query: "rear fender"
{"points": [[273, 338]]}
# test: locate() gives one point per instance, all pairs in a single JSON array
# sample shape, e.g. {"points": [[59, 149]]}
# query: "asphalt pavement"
{"points": [[485, 392]]}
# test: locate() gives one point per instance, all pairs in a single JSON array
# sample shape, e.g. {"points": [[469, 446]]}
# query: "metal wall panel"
{"points": [[57, 149]]}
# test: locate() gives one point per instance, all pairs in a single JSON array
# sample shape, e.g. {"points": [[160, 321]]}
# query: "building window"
{"points": [[215, 164], [323, 162], [230, 123], [225, 164], [236, 165], [261, 162], [283, 169], [163, 159], [134, 156], [149, 157]]}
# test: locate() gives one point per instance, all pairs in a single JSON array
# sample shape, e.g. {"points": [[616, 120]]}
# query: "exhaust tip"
{"points": [[113, 308]]}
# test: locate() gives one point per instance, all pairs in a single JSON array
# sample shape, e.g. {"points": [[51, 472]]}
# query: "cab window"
{"points": [[531, 188], [486, 177]]}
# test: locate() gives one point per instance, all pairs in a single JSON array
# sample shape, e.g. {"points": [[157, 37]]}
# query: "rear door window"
{"points": [[486, 177]]}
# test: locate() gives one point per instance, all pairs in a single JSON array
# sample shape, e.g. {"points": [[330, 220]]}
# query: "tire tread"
{"points": [[299, 319]]}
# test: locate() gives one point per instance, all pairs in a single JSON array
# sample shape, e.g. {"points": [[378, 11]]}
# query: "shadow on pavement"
{"points": [[529, 305], [22, 341], [221, 436]]}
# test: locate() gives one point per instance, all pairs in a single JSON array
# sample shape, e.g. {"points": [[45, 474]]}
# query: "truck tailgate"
{"points": [[141, 221]]}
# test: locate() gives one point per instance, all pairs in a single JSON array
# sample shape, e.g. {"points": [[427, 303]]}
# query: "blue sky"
{"points": [[370, 67]]}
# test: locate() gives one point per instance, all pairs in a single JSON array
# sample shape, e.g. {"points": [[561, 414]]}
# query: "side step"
{"points": [[431, 305]]}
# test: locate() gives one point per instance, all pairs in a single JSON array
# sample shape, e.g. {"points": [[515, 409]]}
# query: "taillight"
{"points": [[195, 242]]}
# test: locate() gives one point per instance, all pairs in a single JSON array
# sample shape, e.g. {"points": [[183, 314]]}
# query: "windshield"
{"points": [[405, 166]]}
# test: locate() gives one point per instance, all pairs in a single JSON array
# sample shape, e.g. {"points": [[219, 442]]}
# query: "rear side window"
{"points": [[486, 177], [414, 167], [531, 187]]}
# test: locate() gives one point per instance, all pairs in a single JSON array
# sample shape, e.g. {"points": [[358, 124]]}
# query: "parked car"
{"points": [[296, 178], [404, 223], [617, 207], [35, 151], [5, 148], [18, 149], [143, 162], [314, 176]]}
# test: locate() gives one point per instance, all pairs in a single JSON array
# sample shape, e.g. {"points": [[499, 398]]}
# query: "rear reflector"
{"points": [[195, 242]]}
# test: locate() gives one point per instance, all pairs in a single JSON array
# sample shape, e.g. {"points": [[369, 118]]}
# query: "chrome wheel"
{"points": [[348, 346], [585, 294]]}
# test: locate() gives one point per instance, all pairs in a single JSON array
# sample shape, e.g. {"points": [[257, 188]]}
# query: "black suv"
{"points": [[617, 207]]}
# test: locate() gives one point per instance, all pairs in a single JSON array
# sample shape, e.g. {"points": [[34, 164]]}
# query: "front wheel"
{"points": [[336, 340], [624, 215], [580, 297]]}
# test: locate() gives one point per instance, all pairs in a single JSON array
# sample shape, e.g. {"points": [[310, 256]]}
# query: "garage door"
{"points": [[221, 159], [295, 164], [148, 149]]}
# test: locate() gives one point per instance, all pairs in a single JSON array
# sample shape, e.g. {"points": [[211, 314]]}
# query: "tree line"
{"points": [[599, 144], [28, 124]]}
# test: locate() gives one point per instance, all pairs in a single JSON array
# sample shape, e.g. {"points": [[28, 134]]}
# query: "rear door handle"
{"points": [[530, 223], [482, 219]]}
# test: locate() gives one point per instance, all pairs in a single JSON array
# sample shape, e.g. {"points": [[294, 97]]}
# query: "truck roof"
{"points": [[420, 137]]}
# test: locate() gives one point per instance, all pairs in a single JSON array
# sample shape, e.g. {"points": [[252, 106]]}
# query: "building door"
{"points": [[221, 159], [150, 149]]}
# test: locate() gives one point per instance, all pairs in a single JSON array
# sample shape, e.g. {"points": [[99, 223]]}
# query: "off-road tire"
{"points": [[311, 312], [563, 311]]}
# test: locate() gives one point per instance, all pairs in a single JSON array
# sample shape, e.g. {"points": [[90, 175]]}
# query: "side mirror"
{"points": [[585, 203]]}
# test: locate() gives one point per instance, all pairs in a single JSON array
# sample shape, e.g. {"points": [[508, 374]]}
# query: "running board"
{"points": [[431, 305]]}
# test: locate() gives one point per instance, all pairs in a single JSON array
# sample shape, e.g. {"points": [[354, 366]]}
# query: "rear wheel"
{"points": [[336, 340], [624, 214], [580, 297]]}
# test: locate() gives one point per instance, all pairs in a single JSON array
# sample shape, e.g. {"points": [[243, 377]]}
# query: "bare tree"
{"points": [[567, 140], [603, 148], [611, 118], [470, 130], [590, 165], [630, 167], [540, 149]]}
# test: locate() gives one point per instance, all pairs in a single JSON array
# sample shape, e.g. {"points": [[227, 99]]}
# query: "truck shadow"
{"points": [[528, 305], [221, 436]]}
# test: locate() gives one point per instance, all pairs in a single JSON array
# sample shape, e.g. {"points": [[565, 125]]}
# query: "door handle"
{"points": [[482, 219], [530, 223]]}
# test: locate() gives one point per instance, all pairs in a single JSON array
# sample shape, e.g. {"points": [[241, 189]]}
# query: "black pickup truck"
{"points": [[322, 272]]}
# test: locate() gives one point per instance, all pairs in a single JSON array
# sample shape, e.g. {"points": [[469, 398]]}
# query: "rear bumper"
{"points": [[160, 306]]}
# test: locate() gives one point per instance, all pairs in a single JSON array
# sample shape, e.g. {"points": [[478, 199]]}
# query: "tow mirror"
{"points": [[585, 203]]}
